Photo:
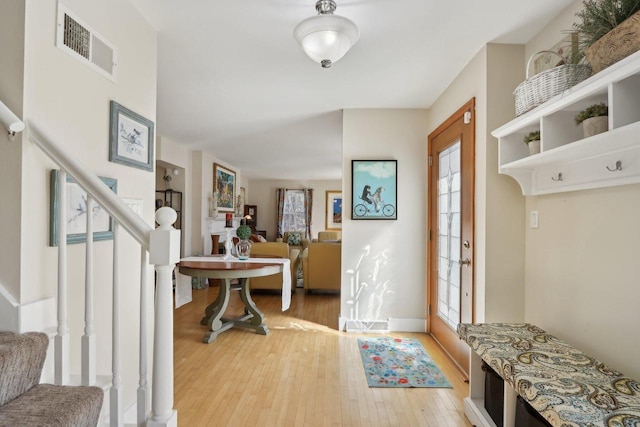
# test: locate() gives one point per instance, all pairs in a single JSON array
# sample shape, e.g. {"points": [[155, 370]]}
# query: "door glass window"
{"points": [[449, 232]]}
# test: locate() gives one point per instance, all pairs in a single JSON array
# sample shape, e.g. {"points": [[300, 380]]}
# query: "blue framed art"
{"points": [[374, 186], [76, 212]]}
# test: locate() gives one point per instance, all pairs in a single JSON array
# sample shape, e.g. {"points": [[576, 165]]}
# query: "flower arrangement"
{"points": [[595, 110], [243, 232], [532, 136]]}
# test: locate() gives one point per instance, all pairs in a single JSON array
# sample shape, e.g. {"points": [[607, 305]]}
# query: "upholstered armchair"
{"points": [[278, 249], [322, 266]]}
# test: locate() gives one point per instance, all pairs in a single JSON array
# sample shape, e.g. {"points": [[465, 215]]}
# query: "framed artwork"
{"points": [[130, 138], [374, 188], [76, 212], [224, 183], [333, 216]]}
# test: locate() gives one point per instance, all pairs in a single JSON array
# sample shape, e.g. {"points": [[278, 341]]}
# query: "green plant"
{"points": [[595, 110], [532, 136], [598, 17], [243, 232]]}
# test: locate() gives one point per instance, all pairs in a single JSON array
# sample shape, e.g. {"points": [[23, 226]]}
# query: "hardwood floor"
{"points": [[303, 373]]}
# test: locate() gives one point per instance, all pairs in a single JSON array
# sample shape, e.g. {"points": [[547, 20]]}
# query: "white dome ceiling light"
{"points": [[326, 37]]}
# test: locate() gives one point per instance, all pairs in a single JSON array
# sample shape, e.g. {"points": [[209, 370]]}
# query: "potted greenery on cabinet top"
{"points": [[532, 139], [594, 119], [609, 30]]}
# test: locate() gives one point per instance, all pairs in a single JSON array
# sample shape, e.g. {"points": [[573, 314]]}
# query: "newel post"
{"points": [[164, 253]]}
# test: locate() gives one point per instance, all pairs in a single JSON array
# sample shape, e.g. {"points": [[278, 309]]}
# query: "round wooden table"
{"points": [[229, 270]]}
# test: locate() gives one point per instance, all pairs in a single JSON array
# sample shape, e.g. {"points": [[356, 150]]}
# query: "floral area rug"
{"points": [[399, 362]]}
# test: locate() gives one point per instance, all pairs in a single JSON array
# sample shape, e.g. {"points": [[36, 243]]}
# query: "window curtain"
{"points": [[308, 206], [280, 193]]}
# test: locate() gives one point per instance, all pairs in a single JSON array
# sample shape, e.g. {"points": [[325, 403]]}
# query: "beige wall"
{"points": [[70, 102], [263, 194], [384, 262], [582, 262]]}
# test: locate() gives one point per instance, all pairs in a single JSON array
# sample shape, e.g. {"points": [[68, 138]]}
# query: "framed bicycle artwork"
{"points": [[374, 186]]}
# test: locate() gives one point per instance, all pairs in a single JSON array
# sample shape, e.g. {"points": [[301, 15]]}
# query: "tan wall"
{"points": [[490, 77], [582, 262]]}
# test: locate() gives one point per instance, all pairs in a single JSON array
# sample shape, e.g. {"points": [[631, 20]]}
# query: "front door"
{"points": [[450, 247]]}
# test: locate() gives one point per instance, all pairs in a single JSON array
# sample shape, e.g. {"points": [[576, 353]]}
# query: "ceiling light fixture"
{"points": [[326, 37]]}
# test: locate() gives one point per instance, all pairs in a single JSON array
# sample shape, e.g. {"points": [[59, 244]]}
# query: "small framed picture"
{"points": [[333, 217], [224, 183], [130, 138], [76, 212], [374, 189]]}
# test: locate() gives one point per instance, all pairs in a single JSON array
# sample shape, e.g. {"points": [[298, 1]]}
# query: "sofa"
{"points": [[331, 236], [287, 238], [25, 402], [322, 266], [270, 249]]}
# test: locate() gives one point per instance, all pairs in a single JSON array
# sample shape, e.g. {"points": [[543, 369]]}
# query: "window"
{"points": [[293, 218]]}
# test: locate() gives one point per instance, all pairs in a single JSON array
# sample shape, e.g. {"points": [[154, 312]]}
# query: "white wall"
{"points": [[582, 263], [262, 193], [384, 262], [70, 102], [11, 90]]}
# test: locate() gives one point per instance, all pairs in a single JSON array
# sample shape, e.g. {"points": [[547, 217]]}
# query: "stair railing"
{"points": [[160, 247]]}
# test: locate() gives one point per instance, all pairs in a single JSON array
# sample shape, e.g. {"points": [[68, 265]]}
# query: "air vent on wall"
{"points": [[80, 41]]}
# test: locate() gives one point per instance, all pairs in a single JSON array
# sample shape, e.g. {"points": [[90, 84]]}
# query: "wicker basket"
{"points": [[545, 85]]}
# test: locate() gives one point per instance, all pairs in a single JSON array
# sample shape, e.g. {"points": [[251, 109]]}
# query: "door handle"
{"points": [[465, 261]]}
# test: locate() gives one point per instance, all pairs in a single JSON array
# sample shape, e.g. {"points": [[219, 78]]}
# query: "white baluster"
{"points": [[115, 397], [62, 338], [164, 253], [89, 338], [143, 407]]}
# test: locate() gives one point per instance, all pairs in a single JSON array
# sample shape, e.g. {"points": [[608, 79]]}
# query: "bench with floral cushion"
{"points": [[567, 387]]}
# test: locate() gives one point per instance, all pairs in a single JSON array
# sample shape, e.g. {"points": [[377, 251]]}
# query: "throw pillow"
{"points": [[261, 239], [295, 239]]}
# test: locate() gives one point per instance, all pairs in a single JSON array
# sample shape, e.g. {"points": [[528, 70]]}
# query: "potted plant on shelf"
{"points": [[532, 139], [609, 30], [243, 248], [594, 119]]}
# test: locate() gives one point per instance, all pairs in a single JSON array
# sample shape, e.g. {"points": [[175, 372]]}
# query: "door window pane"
{"points": [[449, 232]]}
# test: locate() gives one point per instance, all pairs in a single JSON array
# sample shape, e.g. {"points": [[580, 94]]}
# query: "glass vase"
{"points": [[243, 249]]}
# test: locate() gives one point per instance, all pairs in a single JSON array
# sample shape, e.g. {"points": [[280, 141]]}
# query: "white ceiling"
{"points": [[232, 81]]}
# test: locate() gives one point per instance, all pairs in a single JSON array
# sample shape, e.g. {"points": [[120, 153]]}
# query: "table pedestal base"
{"points": [[253, 318]]}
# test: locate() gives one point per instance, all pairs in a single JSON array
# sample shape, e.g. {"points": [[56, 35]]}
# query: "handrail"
{"points": [[110, 202]]}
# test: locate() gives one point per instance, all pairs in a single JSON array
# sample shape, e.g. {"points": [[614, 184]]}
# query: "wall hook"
{"points": [[559, 178], [617, 168]]}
